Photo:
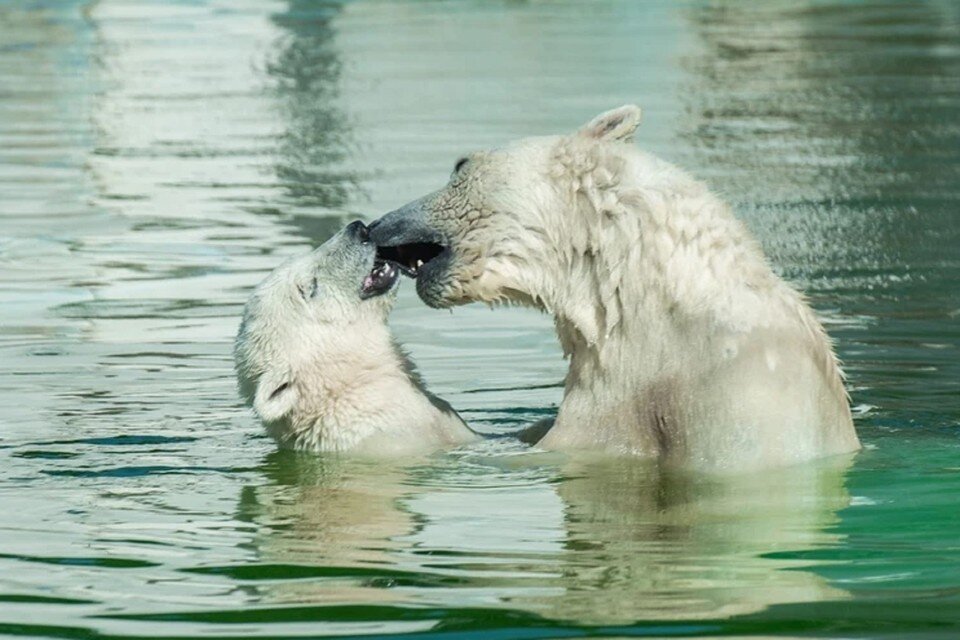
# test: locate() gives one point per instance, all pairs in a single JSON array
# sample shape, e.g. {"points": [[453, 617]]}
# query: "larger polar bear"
{"points": [[683, 343]]}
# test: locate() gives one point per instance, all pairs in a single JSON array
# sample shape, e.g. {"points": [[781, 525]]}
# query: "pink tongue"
{"points": [[368, 282]]}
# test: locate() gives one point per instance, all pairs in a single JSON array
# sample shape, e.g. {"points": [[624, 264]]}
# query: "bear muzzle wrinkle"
{"points": [[410, 224]]}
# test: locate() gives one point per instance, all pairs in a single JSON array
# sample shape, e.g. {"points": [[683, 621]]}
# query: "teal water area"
{"points": [[158, 158]]}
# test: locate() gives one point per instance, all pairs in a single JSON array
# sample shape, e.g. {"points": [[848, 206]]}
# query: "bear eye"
{"points": [[308, 290], [460, 164]]}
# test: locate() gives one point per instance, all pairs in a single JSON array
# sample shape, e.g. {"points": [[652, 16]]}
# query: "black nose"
{"points": [[359, 231]]}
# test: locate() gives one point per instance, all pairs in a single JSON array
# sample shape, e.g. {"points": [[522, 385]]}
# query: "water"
{"points": [[157, 158]]}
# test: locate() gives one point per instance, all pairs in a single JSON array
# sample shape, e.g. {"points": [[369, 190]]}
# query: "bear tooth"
{"points": [[419, 263]]}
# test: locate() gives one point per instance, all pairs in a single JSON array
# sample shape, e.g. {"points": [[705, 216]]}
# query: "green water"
{"points": [[157, 158]]}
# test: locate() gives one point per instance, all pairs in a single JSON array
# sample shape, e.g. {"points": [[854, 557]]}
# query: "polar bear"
{"points": [[317, 363], [684, 345]]}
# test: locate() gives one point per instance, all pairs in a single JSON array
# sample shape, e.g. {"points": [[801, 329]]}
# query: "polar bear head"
{"points": [[496, 230], [310, 310]]}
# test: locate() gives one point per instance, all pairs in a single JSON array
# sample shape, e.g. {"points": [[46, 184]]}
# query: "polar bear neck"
{"points": [[353, 385], [642, 249], [683, 343]]}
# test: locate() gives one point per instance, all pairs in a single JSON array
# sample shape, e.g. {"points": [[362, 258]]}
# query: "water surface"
{"points": [[158, 158]]}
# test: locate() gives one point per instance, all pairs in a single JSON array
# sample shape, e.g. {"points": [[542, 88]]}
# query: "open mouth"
{"points": [[410, 258], [380, 279]]}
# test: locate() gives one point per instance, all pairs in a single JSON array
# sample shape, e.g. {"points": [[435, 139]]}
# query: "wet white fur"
{"points": [[683, 343], [323, 373]]}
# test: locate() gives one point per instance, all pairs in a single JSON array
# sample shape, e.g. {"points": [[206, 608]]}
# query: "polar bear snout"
{"points": [[358, 230], [382, 275], [406, 239]]}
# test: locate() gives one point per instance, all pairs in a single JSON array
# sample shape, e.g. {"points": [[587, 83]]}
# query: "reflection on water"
{"points": [[829, 111], [645, 547], [158, 158], [304, 72], [602, 541], [328, 520]]}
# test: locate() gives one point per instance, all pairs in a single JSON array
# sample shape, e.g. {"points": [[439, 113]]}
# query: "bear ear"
{"points": [[615, 125], [275, 397]]}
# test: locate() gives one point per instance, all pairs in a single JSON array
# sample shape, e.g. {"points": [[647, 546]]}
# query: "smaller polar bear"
{"points": [[317, 363]]}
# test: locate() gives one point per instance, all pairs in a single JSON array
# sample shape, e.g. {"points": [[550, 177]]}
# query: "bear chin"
{"points": [[434, 282]]}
